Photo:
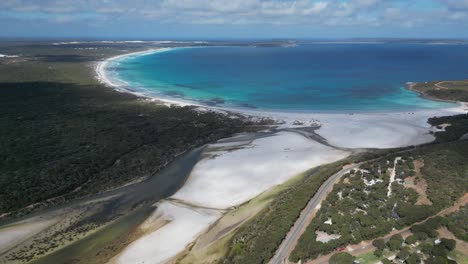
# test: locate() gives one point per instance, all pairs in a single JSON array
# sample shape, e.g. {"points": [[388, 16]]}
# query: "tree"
{"points": [[411, 239], [413, 259], [394, 245], [379, 244], [449, 244], [397, 237], [421, 236], [386, 261], [341, 258], [378, 253], [437, 260], [439, 250], [403, 254]]}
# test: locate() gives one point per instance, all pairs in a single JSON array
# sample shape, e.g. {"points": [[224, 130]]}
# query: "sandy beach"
{"points": [[345, 130], [237, 170]]}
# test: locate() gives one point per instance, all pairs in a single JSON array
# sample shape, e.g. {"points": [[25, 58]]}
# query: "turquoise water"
{"points": [[308, 77]]}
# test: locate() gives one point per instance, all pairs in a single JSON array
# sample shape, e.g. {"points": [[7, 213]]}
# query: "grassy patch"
{"points": [[460, 257], [367, 258], [446, 90]]}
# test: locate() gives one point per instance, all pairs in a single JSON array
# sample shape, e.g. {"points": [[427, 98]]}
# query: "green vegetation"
{"points": [[359, 209], [457, 127], [417, 248], [446, 90], [367, 258], [341, 258], [257, 240], [457, 223], [64, 135]]}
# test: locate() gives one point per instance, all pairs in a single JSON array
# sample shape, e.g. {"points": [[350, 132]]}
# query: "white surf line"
{"points": [[344, 130], [392, 176], [121, 86]]}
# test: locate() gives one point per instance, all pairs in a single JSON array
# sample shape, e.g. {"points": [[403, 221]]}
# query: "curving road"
{"points": [[282, 253]]}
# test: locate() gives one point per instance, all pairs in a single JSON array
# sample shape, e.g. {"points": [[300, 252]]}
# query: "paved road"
{"points": [[282, 253]]}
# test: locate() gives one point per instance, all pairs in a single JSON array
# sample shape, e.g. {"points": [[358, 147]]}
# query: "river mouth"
{"points": [[309, 78], [112, 217]]}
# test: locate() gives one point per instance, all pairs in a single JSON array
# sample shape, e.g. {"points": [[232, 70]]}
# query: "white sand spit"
{"points": [[367, 130], [16, 233], [184, 226], [230, 178], [8, 56]]}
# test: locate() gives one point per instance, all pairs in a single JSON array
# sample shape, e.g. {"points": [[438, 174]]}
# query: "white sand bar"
{"points": [[368, 130], [184, 225], [226, 177], [230, 178], [13, 234]]}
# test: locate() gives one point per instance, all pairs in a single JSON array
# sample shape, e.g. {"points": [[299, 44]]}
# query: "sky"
{"points": [[220, 19]]}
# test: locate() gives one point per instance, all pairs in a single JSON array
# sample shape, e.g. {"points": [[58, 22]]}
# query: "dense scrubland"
{"points": [[257, 241], [63, 135], [360, 207], [364, 211]]}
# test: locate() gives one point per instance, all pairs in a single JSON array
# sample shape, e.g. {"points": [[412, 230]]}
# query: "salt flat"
{"points": [[232, 172], [366, 130], [183, 226], [228, 178]]}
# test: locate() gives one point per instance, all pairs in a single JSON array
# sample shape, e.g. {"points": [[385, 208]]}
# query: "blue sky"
{"points": [[201, 19]]}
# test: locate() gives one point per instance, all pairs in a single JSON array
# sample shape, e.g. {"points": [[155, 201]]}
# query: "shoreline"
{"points": [[375, 129], [103, 78], [422, 94]]}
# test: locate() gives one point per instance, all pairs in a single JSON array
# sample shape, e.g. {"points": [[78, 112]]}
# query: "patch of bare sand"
{"points": [[325, 237], [418, 183], [456, 206], [213, 245], [462, 246]]}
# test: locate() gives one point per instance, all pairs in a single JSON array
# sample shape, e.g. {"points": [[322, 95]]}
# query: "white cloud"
{"points": [[276, 12]]}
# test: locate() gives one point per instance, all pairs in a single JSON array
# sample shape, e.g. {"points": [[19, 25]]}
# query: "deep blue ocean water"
{"points": [[308, 77]]}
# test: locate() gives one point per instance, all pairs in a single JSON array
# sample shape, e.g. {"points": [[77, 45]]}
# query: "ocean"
{"points": [[344, 77]]}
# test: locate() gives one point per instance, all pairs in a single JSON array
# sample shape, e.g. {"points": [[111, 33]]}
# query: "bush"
{"points": [[378, 253], [394, 245], [411, 239], [437, 260], [397, 237], [421, 236], [449, 244], [413, 259], [386, 261], [379, 244], [439, 250], [341, 258], [403, 254]]}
